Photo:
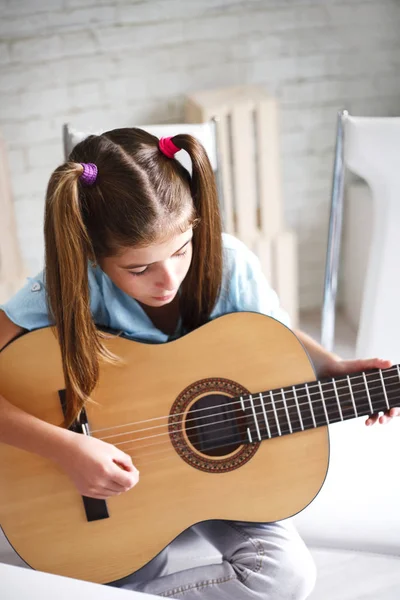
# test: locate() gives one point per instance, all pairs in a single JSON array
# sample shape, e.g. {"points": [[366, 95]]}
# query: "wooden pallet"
{"points": [[250, 180]]}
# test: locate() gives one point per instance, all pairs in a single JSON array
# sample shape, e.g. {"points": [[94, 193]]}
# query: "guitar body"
{"points": [[43, 515]]}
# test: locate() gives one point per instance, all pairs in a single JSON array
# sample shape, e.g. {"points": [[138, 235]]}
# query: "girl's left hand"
{"points": [[345, 367]]}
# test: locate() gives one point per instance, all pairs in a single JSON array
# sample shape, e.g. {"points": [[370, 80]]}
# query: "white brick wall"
{"points": [[104, 63]]}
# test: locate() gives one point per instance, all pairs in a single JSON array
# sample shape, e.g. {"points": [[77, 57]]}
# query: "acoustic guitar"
{"points": [[226, 422]]}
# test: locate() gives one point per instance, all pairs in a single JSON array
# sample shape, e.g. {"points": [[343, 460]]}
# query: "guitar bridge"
{"points": [[95, 509]]}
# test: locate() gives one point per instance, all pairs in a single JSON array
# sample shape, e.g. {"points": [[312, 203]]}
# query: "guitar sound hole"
{"points": [[214, 425]]}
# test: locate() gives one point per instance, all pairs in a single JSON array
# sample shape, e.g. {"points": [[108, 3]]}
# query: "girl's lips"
{"points": [[166, 297]]}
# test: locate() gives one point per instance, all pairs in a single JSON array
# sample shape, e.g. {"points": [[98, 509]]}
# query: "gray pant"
{"points": [[259, 562]]}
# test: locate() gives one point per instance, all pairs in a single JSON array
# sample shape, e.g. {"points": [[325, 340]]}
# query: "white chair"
{"points": [[358, 505], [369, 148]]}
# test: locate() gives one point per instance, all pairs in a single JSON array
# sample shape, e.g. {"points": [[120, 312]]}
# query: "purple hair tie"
{"points": [[89, 175]]}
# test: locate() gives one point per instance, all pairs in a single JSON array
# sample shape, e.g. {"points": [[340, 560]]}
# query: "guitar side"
{"points": [[41, 512]]}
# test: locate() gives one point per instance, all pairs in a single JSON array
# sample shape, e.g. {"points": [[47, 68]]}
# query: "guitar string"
{"points": [[239, 414], [279, 406], [277, 390], [224, 428], [317, 404], [310, 387], [305, 420], [162, 454]]}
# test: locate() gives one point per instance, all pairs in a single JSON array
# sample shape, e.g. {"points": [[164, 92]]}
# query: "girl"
{"points": [[134, 243]]}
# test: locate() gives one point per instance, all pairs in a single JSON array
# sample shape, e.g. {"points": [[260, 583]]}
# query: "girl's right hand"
{"points": [[98, 469]]}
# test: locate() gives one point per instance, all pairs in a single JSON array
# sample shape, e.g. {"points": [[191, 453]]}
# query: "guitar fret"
{"points": [[298, 407], [384, 389], [390, 377], [265, 415], [275, 413], [286, 410], [369, 397], [352, 397], [255, 418], [310, 403], [337, 399], [323, 402], [244, 410]]}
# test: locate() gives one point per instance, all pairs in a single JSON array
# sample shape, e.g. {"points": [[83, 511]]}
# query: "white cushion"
{"points": [[24, 584]]}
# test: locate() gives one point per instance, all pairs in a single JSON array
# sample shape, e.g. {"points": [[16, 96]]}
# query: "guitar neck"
{"points": [[318, 403]]}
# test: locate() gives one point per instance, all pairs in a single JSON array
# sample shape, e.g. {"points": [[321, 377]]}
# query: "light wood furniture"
{"points": [[247, 121]]}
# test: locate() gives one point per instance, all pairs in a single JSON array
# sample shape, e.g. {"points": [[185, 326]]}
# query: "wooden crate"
{"points": [[247, 124]]}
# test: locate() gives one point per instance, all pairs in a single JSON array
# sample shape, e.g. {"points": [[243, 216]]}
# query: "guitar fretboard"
{"points": [[300, 407]]}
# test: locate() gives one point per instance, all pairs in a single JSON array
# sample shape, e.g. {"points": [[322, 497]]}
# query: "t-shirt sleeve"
{"points": [[28, 307], [250, 289]]}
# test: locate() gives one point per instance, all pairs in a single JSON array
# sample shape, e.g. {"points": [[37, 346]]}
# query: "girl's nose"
{"points": [[167, 280]]}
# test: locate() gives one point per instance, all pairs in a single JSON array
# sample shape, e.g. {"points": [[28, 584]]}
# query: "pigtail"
{"points": [[202, 284], [67, 252]]}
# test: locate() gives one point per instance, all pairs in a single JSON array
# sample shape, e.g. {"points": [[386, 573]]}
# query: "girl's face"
{"points": [[152, 274]]}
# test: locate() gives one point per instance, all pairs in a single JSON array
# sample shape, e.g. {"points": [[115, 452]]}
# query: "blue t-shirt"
{"points": [[244, 288]]}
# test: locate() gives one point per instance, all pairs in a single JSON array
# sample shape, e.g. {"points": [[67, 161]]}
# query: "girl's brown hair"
{"points": [[140, 197]]}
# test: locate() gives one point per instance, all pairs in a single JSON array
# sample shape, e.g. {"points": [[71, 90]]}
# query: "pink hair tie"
{"points": [[167, 147], [89, 175]]}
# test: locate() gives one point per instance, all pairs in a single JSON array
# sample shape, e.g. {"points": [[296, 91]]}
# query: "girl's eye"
{"points": [[137, 273], [181, 253]]}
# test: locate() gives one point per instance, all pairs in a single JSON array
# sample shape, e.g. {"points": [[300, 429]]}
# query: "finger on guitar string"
{"points": [[372, 419], [122, 479], [393, 412], [383, 417]]}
